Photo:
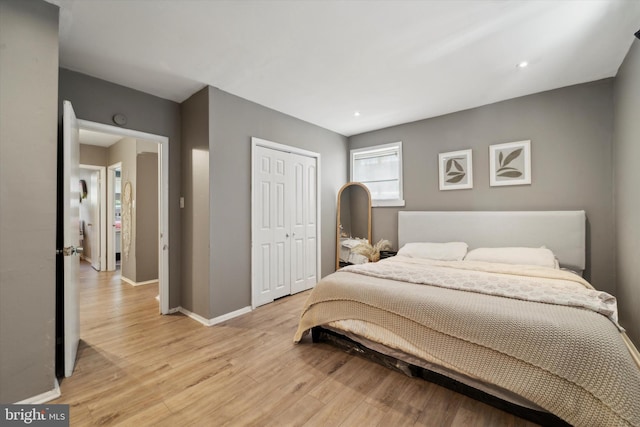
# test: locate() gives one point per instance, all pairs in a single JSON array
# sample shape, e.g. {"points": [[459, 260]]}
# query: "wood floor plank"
{"points": [[138, 368], [364, 415], [297, 413]]}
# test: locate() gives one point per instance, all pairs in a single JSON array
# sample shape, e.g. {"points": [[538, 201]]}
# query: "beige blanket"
{"points": [[569, 360], [528, 283]]}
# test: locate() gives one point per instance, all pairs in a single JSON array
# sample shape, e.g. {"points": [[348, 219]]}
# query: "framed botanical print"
{"points": [[456, 170], [510, 163]]}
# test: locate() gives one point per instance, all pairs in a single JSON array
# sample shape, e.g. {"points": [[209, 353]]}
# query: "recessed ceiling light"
{"points": [[356, 114], [523, 64]]}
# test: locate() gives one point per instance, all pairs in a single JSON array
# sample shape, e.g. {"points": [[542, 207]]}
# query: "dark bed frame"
{"points": [[320, 334]]}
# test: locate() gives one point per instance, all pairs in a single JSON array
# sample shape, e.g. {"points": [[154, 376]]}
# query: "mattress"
{"points": [[569, 357]]}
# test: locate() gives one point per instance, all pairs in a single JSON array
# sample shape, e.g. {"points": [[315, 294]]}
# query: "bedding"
{"points": [[450, 251], [564, 353], [522, 256]]}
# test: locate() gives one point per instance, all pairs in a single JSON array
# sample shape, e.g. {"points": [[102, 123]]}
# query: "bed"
{"points": [[536, 340]]}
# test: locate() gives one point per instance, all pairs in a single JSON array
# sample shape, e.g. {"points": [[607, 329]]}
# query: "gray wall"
{"points": [[626, 148], [196, 287], [98, 100], [570, 131], [233, 121], [28, 152], [146, 213]]}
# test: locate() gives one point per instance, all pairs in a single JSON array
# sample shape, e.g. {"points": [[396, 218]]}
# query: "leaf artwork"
{"points": [[505, 170], [456, 175]]}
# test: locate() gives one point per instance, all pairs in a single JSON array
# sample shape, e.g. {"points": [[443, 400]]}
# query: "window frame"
{"points": [[399, 202]]}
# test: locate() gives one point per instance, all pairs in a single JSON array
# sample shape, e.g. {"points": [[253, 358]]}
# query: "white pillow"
{"points": [[451, 251], [524, 256]]}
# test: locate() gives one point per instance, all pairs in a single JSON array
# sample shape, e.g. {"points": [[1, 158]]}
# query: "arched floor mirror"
{"points": [[353, 221]]}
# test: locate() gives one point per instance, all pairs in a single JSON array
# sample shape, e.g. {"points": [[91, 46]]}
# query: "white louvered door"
{"points": [[284, 224]]}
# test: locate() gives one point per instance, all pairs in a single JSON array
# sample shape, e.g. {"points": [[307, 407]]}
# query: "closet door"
{"points": [[303, 223], [284, 223], [271, 222]]}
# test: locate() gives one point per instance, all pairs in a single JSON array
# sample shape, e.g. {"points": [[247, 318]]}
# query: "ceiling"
{"points": [[321, 61], [100, 139]]}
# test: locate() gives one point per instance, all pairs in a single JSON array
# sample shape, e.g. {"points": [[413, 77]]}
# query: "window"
{"points": [[380, 169]]}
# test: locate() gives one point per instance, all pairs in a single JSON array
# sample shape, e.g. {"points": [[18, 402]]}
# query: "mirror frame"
{"points": [[344, 187]]}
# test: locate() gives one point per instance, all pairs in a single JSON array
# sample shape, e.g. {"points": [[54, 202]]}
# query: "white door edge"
{"points": [[109, 227]]}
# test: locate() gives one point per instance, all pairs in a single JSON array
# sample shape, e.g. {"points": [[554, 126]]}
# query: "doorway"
{"points": [[114, 210], [93, 215]]}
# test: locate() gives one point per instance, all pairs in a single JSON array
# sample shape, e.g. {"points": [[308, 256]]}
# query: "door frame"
{"points": [[163, 199], [259, 142], [109, 227], [102, 225]]}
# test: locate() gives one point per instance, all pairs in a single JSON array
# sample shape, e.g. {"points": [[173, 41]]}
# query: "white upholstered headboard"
{"points": [[561, 231]]}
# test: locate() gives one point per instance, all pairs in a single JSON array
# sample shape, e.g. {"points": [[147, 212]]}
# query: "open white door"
{"points": [[71, 239]]}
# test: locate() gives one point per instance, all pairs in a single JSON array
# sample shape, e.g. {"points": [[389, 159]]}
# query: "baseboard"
{"points": [[231, 315], [194, 316], [132, 283], [215, 320], [44, 397]]}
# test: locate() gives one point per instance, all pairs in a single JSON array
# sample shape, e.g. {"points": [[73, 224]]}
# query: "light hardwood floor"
{"points": [[137, 368]]}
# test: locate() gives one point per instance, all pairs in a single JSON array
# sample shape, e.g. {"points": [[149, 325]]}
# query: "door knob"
{"points": [[70, 250]]}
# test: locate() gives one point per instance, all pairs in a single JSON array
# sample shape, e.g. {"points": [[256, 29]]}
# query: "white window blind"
{"points": [[380, 169]]}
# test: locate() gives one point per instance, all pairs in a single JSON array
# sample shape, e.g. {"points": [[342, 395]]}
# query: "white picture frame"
{"points": [[455, 170], [510, 163]]}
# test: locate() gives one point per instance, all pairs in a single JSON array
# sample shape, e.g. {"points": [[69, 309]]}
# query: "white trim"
{"points": [[132, 283], [392, 146], [282, 147], [103, 212], [111, 235], [387, 203], [99, 127], [255, 142], [231, 315], [215, 320], [163, 194], [45, 397]]}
